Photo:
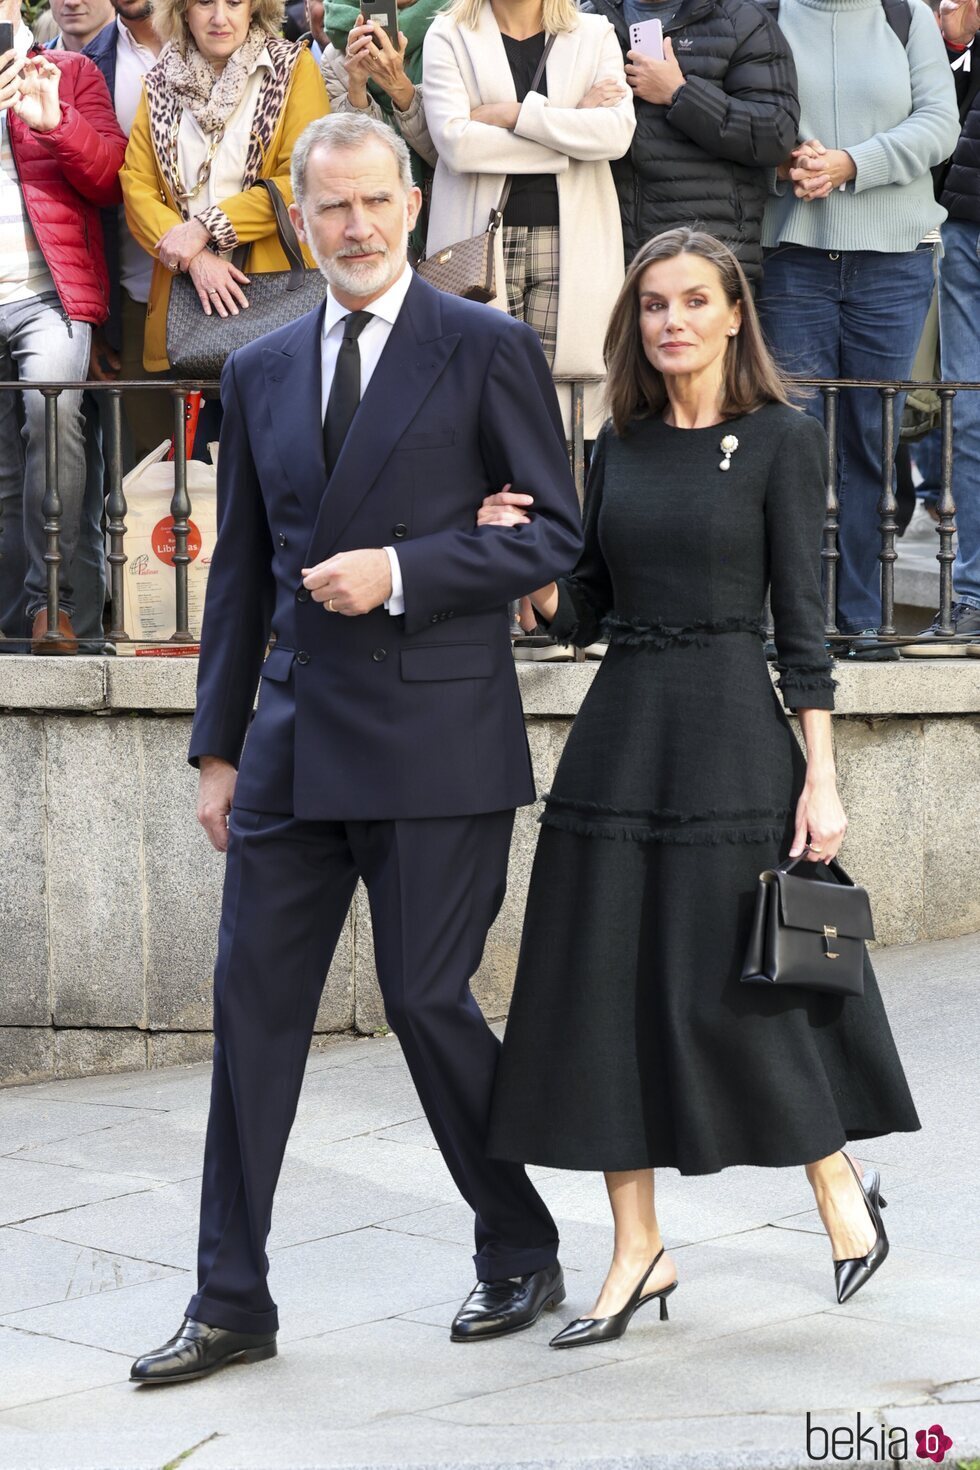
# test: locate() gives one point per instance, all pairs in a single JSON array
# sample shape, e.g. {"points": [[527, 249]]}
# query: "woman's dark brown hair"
{"points": [[636, 389]]}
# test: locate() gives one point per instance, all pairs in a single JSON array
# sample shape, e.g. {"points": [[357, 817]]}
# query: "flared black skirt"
{"points": [[631, 1042]]}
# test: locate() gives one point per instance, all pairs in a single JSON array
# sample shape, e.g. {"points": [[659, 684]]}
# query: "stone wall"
{"points": [[109, 891]]}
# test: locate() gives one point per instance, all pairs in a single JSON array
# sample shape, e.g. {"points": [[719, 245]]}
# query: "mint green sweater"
{"points": [[892, 108]]}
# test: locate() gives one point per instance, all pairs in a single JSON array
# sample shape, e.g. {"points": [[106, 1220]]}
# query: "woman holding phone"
{"points": [[631, 1043]]}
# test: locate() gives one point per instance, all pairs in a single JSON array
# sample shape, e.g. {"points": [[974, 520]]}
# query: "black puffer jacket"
{"points": [[960, 192], [702, 160]]}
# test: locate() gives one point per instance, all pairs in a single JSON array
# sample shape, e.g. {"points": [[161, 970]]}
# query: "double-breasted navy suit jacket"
{"points": [[381, 717]]}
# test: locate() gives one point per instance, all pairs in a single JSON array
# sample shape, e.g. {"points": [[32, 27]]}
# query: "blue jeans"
{"points": [[37, 342], [959, 289], [849, 314]]}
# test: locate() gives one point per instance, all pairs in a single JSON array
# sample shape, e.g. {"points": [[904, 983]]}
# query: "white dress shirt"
{"points": [[371, 344], [133, 61]]}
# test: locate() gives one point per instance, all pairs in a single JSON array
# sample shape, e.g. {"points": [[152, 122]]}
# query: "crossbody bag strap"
{"points": [[497, 215]]}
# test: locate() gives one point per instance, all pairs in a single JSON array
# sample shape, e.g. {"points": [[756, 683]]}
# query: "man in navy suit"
{"points": [[389, 743]]}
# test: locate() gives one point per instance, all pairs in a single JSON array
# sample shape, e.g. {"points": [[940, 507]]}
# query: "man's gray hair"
{"points": [[346, 130]]}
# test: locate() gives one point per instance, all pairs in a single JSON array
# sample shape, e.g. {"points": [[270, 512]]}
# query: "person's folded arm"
{"points": [[523, 443], [414, 129], [469, 147], [590, 134], [754, 116]]}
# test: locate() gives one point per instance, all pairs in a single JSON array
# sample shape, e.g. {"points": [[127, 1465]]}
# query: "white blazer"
{"points": [[465, 68]]}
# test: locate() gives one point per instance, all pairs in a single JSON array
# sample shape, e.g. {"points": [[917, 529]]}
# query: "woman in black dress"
{"points": [[631, 1043]]}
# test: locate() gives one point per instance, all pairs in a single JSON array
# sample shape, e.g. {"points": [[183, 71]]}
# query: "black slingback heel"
{"points": [[854, 1272], [604, 1329]]}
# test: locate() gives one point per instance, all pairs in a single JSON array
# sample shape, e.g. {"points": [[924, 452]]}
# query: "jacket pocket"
{"points": [[447, 661], [427, 439], [278, 665]]}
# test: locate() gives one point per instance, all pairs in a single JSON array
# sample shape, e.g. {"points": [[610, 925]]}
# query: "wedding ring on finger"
{"points": [[330, 606]]}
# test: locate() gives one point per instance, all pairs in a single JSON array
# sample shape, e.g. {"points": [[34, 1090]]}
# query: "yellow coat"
{"points": [[151, 210]]}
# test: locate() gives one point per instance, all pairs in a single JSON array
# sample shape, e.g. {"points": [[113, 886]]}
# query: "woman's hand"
{"points": [[38, 105], [504, 509], [819, 170], [388, 68], [219, 284], [820, 821], [179, 246], [358, 60], [654, 81], [607, 93], [497, 114], [804, 150]]}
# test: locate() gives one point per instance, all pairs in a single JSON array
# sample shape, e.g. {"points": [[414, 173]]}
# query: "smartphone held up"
{"points": [[384, 13]]}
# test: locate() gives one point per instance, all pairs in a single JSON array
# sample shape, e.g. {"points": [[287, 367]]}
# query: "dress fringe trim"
{"points": [[695, 829]]}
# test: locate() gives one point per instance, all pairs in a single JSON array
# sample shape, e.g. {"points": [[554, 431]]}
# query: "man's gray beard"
{"points": [[354, 282], [143, 14]]}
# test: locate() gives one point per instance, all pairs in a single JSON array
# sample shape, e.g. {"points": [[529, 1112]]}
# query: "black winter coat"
{"points": [[960, 192], [701, 160]]}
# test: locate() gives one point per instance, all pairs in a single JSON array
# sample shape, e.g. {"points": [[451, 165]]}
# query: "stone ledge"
{"points": [[935, 686]]}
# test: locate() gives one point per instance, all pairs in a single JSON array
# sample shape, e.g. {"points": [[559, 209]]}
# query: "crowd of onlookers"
{"points": [[834, 144]]}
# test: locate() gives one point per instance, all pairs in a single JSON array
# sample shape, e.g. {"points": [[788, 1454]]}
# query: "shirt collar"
{"points": [[130, 41], [386, 307]]}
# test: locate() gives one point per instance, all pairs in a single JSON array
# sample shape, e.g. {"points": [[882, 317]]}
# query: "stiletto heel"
{"points": [[853, 1273], [604, 1329]]}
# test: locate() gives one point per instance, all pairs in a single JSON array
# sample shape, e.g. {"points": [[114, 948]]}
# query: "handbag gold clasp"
{"points": [[829, 933]]}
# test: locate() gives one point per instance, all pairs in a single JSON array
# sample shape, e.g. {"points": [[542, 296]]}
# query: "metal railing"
{"points": [[111, 411]]}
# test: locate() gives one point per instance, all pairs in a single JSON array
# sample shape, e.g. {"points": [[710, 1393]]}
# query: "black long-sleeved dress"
{"points": [[631, 1042]]}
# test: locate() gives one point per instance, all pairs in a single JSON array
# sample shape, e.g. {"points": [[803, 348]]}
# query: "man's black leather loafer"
{"points": [[496, 1308], [197, 1350]]}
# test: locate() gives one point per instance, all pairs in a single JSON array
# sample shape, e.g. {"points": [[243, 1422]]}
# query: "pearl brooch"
{"points": [[728, 447]]}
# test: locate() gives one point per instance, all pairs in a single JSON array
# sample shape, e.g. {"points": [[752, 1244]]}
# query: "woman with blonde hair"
{"points": [[221, 109], [631, 1042], [559, 254]]}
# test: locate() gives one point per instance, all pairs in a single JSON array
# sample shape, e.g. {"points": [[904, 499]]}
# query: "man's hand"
{"points": [[178, 247], [38, 104], [654, 81], [215, 790], [351, 583], [497, 114]]}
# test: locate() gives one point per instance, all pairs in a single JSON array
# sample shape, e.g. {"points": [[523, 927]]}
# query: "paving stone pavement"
{"points": [[99, 1183]]}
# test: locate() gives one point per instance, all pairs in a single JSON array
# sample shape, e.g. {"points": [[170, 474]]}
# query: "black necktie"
{"points": [[345, 390]]}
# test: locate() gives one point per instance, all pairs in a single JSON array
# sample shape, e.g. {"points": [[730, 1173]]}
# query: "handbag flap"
{"points": [[815, 904]]}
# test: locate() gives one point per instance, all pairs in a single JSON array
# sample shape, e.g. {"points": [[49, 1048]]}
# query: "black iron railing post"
{"points": [[947, 510], [180, 510], [51, 508], [829, 553], [887, 511], [115, 513]]}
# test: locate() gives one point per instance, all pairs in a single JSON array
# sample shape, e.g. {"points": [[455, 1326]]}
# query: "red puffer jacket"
{"points": [[66, 176]]}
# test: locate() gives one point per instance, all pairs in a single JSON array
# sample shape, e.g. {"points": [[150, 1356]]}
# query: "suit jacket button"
{"points": [[303, 595], [435, 617], [302, 657], [400, 531], [450, 615], [282, 540], [379, 655]]}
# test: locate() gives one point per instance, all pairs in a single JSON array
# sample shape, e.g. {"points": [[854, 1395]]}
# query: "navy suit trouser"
{"points": [[435, 886]]}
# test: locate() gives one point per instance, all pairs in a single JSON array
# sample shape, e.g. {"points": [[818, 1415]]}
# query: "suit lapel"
{"points": [[414, 357], [293, 376]]}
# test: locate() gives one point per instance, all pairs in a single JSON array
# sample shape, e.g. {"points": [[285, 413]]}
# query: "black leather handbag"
{"points": [[809, 932], [197, 345]]}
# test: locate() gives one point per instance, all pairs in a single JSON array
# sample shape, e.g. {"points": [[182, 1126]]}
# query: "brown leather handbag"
{"points": [[467, 268]]}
